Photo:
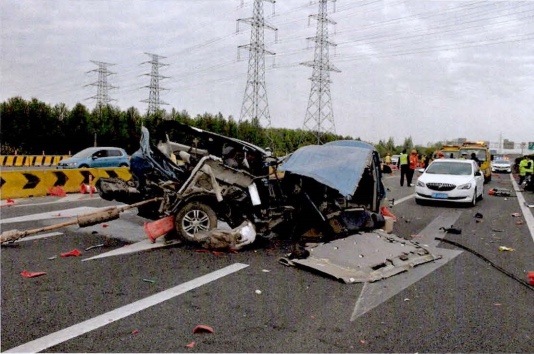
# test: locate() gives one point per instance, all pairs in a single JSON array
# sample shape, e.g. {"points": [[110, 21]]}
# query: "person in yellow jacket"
{"points": [[526, 168], [403, 166]]}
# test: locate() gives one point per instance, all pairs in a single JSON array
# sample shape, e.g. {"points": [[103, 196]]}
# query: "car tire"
{"points": [[83, 166], [123, 165], [419, 201], [194, 217]]}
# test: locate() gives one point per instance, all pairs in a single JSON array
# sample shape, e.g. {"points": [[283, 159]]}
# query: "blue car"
{"points": [[95, 157]]}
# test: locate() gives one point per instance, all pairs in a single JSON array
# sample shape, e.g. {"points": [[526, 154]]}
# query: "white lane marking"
{"points": [[68, 198], [374, 294], [57, 214], [527, 214], [30, 238], [402, 200], [122, 312]]}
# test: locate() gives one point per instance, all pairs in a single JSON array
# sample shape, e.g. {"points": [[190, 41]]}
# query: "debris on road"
{"points": [[451, 230], [27, 274], [190, 345], [500, 192], [95, 246], [82, 220], [202, 329], [504, 248], [149, 280], [73, 253], [516, 215]]}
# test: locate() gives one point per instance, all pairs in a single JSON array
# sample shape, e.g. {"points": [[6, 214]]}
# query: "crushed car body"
{"points": [[325, 192]]}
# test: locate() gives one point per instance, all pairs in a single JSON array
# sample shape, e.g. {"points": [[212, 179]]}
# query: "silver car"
{"points": [[501, 166]]}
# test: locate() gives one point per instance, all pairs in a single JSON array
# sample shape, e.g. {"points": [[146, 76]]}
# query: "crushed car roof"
{"points": [[338, 164]]}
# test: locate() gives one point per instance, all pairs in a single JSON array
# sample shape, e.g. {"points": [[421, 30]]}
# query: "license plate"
{"points": [[440, 195]]}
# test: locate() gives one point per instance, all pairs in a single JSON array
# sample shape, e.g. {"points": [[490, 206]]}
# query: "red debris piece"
{"points": [[190, 345], [10, 201], [385, 211], [27, 274], [204, 251], [519, 223], [57, 191], [105, 225], [73, 253], [217, 253], [531, 278], [135, 331], [203, 328]]}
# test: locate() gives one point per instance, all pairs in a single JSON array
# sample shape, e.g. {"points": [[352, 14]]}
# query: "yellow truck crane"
{"points": [[482, 153], [451, 151]]}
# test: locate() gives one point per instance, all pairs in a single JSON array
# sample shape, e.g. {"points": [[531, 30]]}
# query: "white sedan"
{"points": [[451, 180]]}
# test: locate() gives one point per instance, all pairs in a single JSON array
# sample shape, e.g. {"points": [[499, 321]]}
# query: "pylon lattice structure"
{"points": [[255, 104], [319, 117], [153, 98], [102, 84]]}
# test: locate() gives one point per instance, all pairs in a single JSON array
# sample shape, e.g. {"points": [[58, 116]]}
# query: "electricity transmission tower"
{"points": [[153, 98], [255, 105], [319, 117], [102, 96]]}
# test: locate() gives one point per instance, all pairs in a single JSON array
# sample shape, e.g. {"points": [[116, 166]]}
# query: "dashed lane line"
{"points": [[122, 312]]}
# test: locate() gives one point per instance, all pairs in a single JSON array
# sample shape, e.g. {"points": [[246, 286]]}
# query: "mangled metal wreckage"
{"points": [[327, 194]]}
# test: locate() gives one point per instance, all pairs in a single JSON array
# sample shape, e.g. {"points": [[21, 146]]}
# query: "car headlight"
{"points": [[420, 184], [464, 186]]}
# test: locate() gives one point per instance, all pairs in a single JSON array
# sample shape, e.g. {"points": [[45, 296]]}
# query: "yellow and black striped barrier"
{"points": [[31, 160], [38, 183]]}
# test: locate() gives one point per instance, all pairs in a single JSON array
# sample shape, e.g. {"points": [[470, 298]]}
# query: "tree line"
{"points": [[34, 127]]}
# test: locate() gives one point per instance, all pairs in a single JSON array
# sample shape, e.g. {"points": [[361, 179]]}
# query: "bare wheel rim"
{"points": [[194, 221]]}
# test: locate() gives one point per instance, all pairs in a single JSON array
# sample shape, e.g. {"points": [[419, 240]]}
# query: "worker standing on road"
{"points": [[387, 159], [412, 165], [403, 166], [525, 168]]}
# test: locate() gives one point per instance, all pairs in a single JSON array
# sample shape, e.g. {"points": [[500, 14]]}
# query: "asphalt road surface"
{"points": [[121, 297]]}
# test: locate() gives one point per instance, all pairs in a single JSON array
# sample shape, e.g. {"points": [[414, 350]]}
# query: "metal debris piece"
{"points": [[392, 255], [95, 246]]}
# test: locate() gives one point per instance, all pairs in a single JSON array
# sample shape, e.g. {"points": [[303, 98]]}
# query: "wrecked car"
{"points": [[324, 191]]}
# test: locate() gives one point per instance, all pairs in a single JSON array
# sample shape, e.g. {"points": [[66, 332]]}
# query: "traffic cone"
{"points": [[159, 227], [385, 211]]}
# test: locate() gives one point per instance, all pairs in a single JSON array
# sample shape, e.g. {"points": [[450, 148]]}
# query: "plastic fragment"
{"points": [[27, 274], [95, 246], [258, 292], [202, 328], [53, 257], [149, 280], [190, 345], [504, 248], [135, 331], [516, 215], [73, 253]]}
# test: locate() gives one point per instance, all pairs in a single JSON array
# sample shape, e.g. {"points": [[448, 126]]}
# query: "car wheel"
{"points": [[83, 166], [418, 201], [123, 165], [194, 217]]}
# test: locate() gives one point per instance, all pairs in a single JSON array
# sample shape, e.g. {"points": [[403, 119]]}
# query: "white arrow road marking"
{"points": [[374, 294], [122, 312], [135, 247], [30, 238]]}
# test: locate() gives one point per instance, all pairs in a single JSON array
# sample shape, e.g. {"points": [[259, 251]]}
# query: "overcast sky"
{"points": [[430, 70]]}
